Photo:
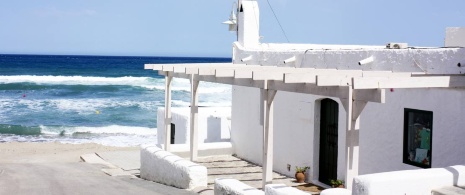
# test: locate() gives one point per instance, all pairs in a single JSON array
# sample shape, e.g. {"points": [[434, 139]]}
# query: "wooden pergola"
{"points": [[355, 88]]}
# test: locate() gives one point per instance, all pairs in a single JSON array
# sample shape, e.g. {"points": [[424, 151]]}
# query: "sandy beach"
{"points": [[56, 168], [26, 152]]}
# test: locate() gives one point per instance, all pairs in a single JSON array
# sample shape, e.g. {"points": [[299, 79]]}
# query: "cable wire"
{"points": [[282, 29]]}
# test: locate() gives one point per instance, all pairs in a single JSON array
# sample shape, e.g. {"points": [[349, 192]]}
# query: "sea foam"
{"points": [[144, 82]]}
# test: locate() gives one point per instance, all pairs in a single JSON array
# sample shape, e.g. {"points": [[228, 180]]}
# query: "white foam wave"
{"points": [[112, 129], [86, 105], [82, 106], [180, 103], [111, 140], [145, 82], [77, 80]]}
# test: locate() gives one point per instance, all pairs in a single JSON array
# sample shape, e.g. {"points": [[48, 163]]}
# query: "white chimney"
{"points": [[248, 23]]}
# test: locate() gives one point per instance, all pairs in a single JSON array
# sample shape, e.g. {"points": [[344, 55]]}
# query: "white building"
{"points": [[214, 125], [343, 110]]}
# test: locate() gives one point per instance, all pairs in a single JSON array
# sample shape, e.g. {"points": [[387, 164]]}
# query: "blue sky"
{"points": [[193, 28]]}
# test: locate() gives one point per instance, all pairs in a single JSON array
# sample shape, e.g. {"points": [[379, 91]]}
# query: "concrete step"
{"points": [[449, 190], [233, 170]]}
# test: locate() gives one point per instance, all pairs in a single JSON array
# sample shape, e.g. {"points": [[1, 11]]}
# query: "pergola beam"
{"points": [[370, 95], [342, 80], [149, 66], [311, 76], [209, 69]]}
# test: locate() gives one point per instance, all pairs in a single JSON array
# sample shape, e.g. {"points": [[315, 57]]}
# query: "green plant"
{"points": [[336, 182], [301, 169]]}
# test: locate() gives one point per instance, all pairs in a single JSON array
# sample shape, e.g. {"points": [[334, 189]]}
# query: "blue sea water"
{"points": [[109, 100]]}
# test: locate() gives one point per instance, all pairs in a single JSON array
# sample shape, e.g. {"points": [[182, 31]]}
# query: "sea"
{"points": [[108, 100]]}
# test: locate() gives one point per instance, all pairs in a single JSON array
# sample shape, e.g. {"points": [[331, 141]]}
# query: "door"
{"points": [[328, 140], [173, 131]]}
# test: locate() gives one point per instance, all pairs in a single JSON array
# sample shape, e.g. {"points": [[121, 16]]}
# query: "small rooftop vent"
{"points": [[396, 46]]}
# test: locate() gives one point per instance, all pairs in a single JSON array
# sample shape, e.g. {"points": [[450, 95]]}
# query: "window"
{"points": [[418, 134]]}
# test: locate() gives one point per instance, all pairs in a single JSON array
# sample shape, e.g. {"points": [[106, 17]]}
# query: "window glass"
{"points": [[418, 134]]}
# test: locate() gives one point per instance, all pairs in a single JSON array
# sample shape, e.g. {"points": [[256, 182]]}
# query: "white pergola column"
{"points": [[353, 111], [167, 121], [267, 99], [194, 118]]}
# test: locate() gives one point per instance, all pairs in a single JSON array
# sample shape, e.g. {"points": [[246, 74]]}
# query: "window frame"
{"points": [[405, 148]]}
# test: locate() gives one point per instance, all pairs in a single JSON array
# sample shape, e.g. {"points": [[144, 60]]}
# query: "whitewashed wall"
{"points": [[294, 140], [381, 135], [214, 124], [296, 127], [246, 130]]}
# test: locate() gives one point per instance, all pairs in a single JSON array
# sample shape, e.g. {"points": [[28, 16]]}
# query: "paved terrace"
{"points": [[224, 166], [246, 172]]}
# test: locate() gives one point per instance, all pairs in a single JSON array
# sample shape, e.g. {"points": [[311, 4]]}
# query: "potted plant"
{"points": [[337, 183], [300, 173]]}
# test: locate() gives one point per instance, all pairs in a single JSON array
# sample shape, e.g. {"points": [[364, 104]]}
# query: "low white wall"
{"points": [[282, 189], [411, 182], [336, 191], [213, 124], [225, 186], [204, 149], [164, 167]]}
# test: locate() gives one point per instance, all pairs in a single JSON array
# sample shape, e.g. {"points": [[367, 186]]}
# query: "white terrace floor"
{"points": [[246, 172], [224, 166]]}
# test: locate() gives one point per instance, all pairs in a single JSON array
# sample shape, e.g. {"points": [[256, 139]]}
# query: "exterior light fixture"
{"points": [[232, 22]]}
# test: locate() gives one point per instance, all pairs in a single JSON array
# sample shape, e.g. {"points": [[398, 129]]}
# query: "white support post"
{"points": [[167, 121], [353, 111], [194, 118], [267, 99]]}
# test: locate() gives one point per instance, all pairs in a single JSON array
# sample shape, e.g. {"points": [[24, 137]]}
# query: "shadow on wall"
{"points": [[216, 130]]}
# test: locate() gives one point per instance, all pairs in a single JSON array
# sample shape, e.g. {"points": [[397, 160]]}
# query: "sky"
{"points": [[194, 28]]}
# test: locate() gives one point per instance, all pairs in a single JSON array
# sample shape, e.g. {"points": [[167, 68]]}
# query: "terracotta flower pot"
{"points": [[300, 177]]}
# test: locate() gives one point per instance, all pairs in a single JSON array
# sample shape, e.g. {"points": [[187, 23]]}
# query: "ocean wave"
{"points": [[61, 88], [78, 80], [112, 129], [19, 130], [96, 104], [109, 140], [70, 131], [81, 106], [32, 82]]}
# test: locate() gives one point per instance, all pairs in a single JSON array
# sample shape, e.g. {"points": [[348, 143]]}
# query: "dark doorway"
{"points": [[173, 130], [328, 140]]}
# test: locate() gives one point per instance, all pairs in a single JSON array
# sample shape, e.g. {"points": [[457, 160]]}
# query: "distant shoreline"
{"points": [[98, 55]]}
